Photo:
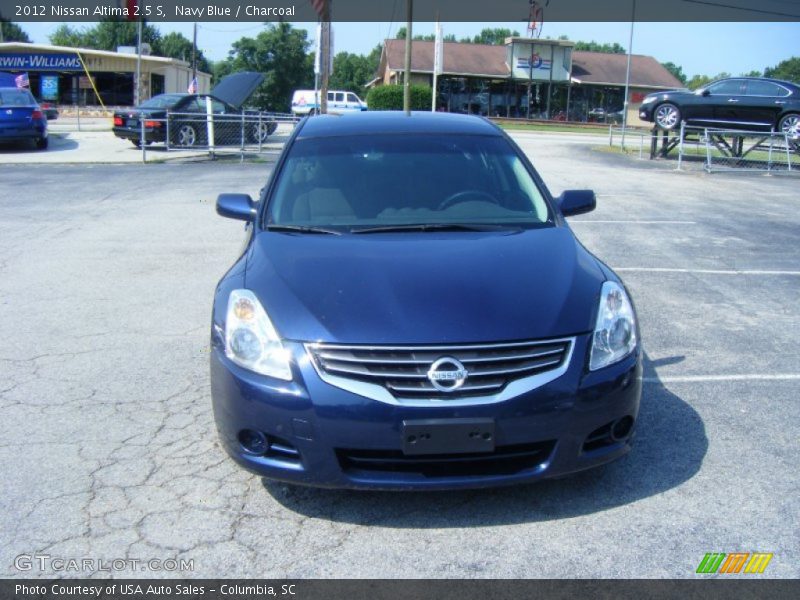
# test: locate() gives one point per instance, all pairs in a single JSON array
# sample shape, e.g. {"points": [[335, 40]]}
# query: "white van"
{"points": [[305, 102]]}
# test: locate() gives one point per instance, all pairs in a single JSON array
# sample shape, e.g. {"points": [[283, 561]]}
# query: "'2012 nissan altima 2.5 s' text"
{"points": [[412, 311]]}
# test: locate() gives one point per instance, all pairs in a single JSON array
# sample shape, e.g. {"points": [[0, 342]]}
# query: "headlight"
{"points": [[615, 331], [649, 100], [250, 339]]}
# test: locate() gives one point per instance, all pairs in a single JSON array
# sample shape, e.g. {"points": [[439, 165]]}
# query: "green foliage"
{"points": [[107, 35], [352, 71], [278, 51], [593, 46], [676, 71], [175, 45], [788, 70], [390, 97], [699, 81], [494, 36], [753, 73], [11, 32]]}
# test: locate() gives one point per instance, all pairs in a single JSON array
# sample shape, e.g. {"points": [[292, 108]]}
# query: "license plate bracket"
{"points": [[448, 436], [132, 123]]}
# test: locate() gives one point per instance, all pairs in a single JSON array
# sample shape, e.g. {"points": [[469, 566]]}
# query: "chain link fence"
{"points": [[737, 151], [244, 134]]}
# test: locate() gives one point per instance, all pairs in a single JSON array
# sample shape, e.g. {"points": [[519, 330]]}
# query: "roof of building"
{"points": [[478, 60], [26, 47]]}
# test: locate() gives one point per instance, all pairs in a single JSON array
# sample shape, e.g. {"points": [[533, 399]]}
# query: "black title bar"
{"points": [[522, 11]]}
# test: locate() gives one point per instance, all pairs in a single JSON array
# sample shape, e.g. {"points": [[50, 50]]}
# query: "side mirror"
{"points": [[705, 93], [576, 202], [236, 206]]}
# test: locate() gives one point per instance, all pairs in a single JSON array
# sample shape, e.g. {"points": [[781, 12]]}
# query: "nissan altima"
{"points": [[411, 310]]}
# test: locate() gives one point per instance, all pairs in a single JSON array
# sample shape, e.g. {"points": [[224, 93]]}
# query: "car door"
{"points": [[765, 100], [724, 101], [352, 102]]}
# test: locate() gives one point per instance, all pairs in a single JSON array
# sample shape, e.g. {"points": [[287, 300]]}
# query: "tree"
{"points": [[107, 35], [699, 81], [279, 52], [788, 70], [175, 45], [11, 32], [593, 46], [401, 35], [676, 71], [753, 73], [494, 36], [65, 35]]}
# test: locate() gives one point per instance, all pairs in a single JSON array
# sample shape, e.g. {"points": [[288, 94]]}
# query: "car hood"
{"points": [[236, 88], [425, 287]]}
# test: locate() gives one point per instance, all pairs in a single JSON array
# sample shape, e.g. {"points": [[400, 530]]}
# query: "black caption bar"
{"points": [[522, 11], [379, 589]]}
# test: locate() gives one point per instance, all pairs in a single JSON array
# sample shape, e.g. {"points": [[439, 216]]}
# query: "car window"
{"points": [[352, 98], [218, 107], [764, 88], [722, 88], [162, 101], [13, 97], [339, 97], [330, 96], [379, 180]]}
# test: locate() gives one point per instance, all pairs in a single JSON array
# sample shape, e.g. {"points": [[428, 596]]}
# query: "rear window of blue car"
{"points": [[11, 97], [399, 179]]}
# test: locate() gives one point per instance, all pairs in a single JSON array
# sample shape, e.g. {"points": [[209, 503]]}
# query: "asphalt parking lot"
{"points": [[107, 435]]}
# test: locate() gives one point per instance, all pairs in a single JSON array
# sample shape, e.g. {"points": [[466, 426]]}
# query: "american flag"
{"points": [[192, 86], [319, 6], [22, 80]]}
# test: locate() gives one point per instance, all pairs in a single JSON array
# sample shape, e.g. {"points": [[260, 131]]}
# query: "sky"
{"points": [[699, 48]]}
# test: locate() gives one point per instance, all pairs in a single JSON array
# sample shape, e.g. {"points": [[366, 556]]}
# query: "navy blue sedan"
{"points": [[21, 118], [412, 311]]}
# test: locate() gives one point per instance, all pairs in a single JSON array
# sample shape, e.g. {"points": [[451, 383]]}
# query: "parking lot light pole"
{"points": [[628, 77], [407, 76]]}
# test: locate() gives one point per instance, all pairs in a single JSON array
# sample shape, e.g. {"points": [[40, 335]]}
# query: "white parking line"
{"points": [[706, 271], [632, 222], [732, 377]]}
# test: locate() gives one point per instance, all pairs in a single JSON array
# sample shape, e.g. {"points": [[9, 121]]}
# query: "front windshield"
{"points": [[370, 181], [162, 101]]}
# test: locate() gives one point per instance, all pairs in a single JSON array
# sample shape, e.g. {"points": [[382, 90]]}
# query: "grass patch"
{"points": [[592, 130]]}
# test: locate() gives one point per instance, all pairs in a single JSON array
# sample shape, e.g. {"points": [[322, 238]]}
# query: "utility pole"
{"points": [[138, 99], [325, 56], [628, 78], [407, 76], [194, 53]]}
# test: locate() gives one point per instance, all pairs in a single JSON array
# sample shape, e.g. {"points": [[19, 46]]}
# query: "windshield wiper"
{"points": [[435, 227], [302, 229]]}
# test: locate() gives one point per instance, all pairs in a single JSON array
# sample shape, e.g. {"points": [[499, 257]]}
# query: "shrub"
{"points": [[390, 97]]}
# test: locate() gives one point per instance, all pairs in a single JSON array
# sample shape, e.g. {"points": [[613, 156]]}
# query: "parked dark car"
{"points": [[187, 127], [21, 118], [412, 311], [50, 110], [748, 103]]}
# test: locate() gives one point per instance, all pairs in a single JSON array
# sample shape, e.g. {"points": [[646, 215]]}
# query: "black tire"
{"points": [[42, 143], [261, 131], [138, 143], [186, 135], [790, 124], [667, 116]]}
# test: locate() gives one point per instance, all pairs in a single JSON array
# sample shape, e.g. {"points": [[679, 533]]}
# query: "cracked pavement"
{"points": [[109, 448]]}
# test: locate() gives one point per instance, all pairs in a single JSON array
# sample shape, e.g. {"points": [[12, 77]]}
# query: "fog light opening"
{"points": [[621, 429], [253, 442]]}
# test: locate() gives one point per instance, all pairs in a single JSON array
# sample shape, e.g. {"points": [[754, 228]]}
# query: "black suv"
{"points": [[751, 103]]}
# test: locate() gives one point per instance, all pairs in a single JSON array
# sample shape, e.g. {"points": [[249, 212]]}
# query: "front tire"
{"points": [[186, 136], [667, 116], [790, 124], [262, 131]]}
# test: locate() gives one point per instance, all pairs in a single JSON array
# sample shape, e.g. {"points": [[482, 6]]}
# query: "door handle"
{"points": [[732, 100], [780, 101]]}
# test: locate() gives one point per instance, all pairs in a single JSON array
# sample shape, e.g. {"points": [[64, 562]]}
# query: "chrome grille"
{"points": [[402, 371]]}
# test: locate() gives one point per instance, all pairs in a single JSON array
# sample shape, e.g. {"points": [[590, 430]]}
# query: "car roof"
{"points": [[395, 122]]}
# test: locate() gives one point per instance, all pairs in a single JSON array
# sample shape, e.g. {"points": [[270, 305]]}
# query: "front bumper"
{"points": [[328, 437]]}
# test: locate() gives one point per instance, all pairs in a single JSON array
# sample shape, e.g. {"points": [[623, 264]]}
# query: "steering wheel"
{"points": [[466, 196]]}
